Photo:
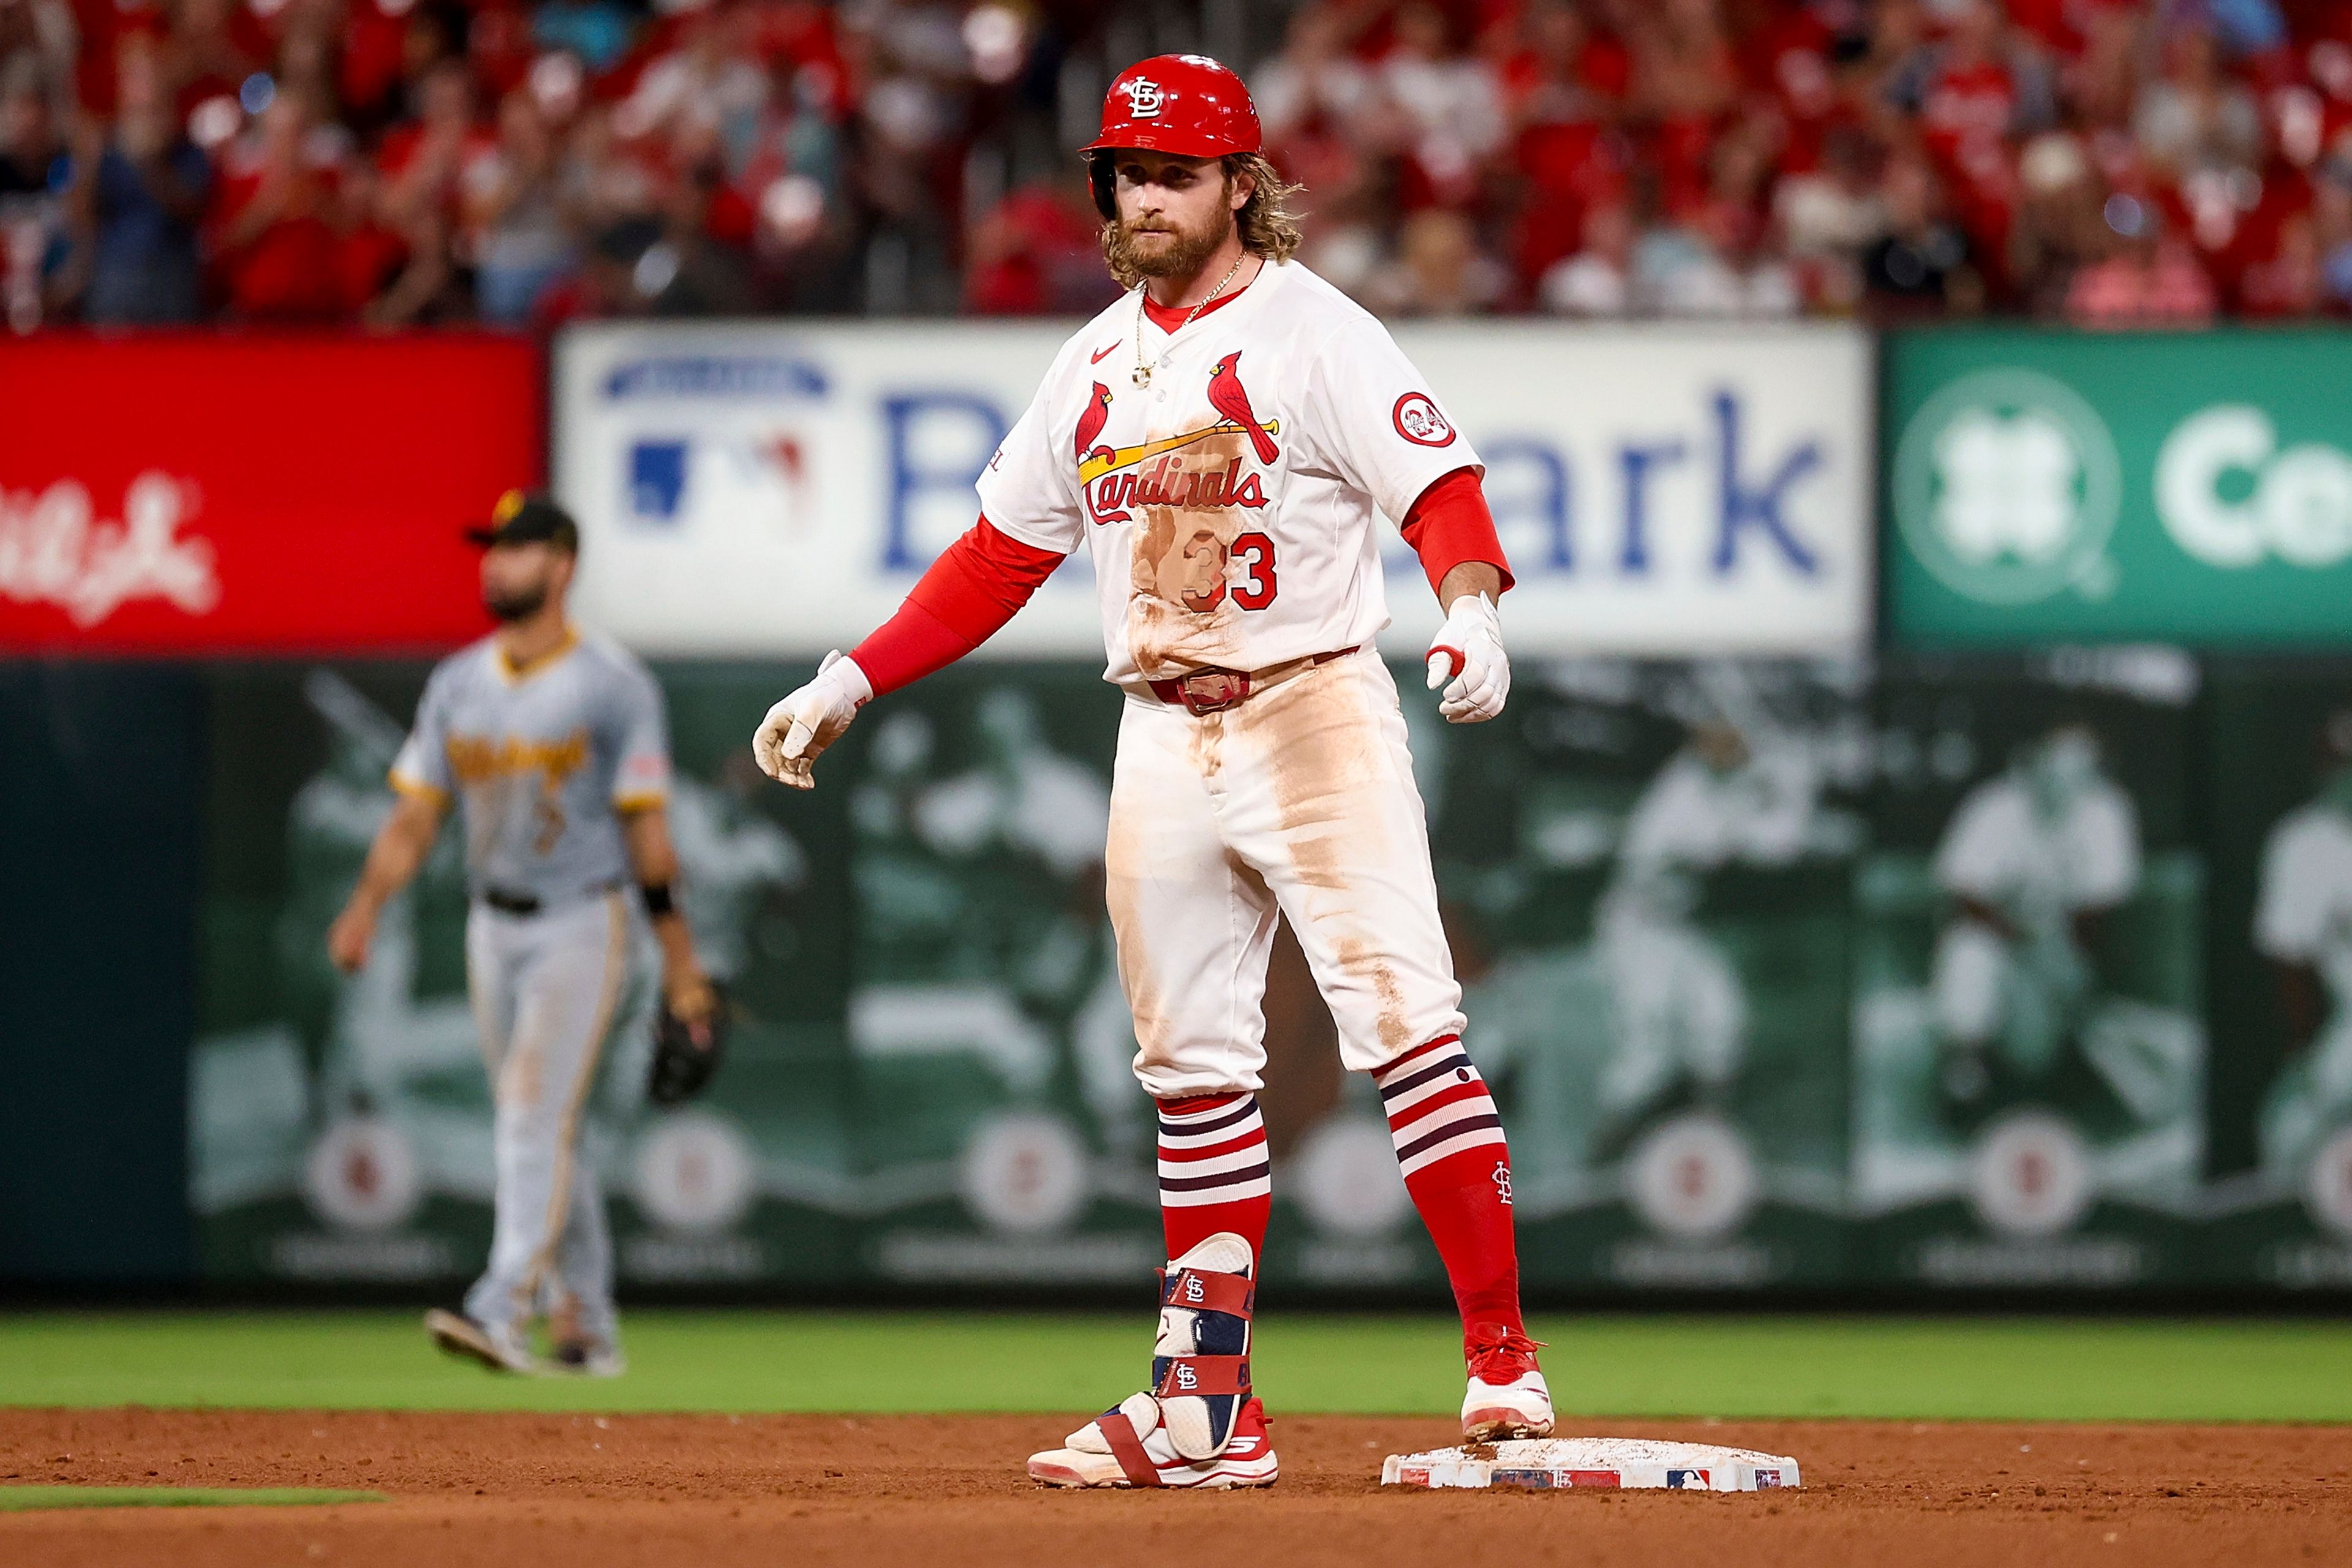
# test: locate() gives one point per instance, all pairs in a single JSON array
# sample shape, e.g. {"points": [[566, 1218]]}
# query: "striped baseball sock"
{"points": [[1449, 1144], [1213, 1171]]}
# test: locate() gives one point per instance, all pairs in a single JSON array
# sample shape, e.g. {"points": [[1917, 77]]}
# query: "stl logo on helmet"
{"points": [[1143, 99]]}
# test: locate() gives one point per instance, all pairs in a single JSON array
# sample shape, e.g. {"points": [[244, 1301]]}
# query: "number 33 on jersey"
{"points": [[1230, 505]]}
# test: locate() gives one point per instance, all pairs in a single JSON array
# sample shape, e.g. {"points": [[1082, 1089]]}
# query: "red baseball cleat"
{"points": [[1507, 1397], [1136, 1451]]}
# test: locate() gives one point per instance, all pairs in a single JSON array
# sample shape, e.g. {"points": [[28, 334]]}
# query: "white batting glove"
{"points": [[797, 731], [1467, 659]]}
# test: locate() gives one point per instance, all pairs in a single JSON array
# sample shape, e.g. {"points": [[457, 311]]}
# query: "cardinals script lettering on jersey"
{"points": [[1167, 470]]}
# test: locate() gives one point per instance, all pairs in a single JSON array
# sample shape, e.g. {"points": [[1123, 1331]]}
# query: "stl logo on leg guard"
{"points": [[1194, 1291]]}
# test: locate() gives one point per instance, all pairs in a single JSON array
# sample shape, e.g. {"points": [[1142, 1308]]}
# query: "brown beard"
{"points": [[1182, 258]]}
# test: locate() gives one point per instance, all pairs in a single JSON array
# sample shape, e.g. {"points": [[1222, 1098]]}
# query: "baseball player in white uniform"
{"points": [[2303, 924], [2033, 860], [555, 749], [1221, 440], [1678, 1003]]}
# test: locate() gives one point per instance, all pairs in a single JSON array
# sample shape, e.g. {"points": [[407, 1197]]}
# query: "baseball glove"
{"points": [[687, 1055]]}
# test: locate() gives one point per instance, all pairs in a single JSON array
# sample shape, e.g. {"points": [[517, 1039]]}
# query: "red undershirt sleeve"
{"points": [[1450, 524], [976, 584]]}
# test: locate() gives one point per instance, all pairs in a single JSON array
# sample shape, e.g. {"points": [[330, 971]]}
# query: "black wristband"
{"points": [[657, 900]]}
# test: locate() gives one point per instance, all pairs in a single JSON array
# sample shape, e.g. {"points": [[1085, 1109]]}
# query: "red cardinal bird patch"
{"points": [[1230, 398], [1091, 420]]}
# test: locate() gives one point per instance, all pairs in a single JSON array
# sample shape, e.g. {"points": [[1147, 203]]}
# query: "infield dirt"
{"points": [[787, 1492]]}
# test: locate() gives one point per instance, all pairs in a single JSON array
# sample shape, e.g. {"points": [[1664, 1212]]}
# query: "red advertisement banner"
{"points": [[194, 493]]}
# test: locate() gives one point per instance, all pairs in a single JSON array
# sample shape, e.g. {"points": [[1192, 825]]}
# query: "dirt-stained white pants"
{"points": [[1301, 801]]}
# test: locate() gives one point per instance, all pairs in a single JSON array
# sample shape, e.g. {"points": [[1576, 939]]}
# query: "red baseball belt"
{"points": [[1213, 690]]}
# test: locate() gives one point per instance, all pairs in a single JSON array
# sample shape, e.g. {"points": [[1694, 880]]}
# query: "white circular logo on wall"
{"points": [[1345, 1176], [2029, 1174], [694, 1171], [1024, 1172], [2006, 488], [2328, 1185], [361, 1175], [1693, 1178]]}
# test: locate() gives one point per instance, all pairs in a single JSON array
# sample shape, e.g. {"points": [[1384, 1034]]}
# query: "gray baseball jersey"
{"points": [[542, 762]]}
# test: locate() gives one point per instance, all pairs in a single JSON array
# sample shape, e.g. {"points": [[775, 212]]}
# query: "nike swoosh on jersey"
{"points": [[1097, 358]]}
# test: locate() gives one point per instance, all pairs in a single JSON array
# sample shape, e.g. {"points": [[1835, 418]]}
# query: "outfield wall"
{"points": [[1705, 880]]}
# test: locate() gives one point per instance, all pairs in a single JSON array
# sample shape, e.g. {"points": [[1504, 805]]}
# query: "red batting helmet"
{"points": [[1185, 104]]}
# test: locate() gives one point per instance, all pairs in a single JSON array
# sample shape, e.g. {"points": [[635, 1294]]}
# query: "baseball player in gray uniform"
{"points": [[554, 746]]}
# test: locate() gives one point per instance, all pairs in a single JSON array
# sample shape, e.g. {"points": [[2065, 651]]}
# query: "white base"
{"points": [[1545, 1464]]}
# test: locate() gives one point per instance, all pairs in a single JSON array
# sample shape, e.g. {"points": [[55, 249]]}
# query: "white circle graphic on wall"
{"points": [[361, 1175], [1693, 1178], [2029, 1174], [2007, 486], [694, 1171], [1024, 1172], [1345, 1176]]}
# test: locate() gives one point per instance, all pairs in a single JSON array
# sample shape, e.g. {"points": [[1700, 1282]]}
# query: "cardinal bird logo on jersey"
{"points": [[1091, 421], [1230, 398], [1151, 472]]}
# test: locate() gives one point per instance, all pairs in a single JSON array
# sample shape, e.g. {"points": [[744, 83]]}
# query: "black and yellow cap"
{"points": [[524, 517]]}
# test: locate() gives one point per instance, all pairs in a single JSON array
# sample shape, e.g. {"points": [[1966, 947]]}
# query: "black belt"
{"points": [[508, 903]]}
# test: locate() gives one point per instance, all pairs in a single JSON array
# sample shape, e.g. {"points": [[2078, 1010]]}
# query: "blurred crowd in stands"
{"points": [[522, 162]]}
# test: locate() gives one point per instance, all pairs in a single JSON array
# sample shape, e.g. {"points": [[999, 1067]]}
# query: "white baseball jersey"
{"points": [[1230, 505], [2002, 850], [2304, 913], [1692, 815]]}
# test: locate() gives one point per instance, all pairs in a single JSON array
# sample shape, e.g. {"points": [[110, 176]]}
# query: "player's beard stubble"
{"points": [[513, 605], [1164, 249]]}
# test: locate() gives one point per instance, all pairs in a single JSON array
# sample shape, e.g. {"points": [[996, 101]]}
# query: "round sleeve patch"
{"points": [[1418, 421]]}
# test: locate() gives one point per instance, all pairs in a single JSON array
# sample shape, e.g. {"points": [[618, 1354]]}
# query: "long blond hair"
{"points": [[1268, 227]]}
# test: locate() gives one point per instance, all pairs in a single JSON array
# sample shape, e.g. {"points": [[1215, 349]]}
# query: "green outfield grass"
{"points": [[1914, 1368], [24, 1499]]}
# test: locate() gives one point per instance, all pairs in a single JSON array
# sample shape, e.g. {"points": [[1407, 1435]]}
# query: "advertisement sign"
{"points": [[1784, 974], [772, 489], [1005, 1140], [1645, 870], [2279, 740], [2191, 487], [2029, 1043], [177, 494]]}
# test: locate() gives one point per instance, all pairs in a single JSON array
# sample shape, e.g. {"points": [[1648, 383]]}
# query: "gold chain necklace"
{"points": [[1144, 367]]}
